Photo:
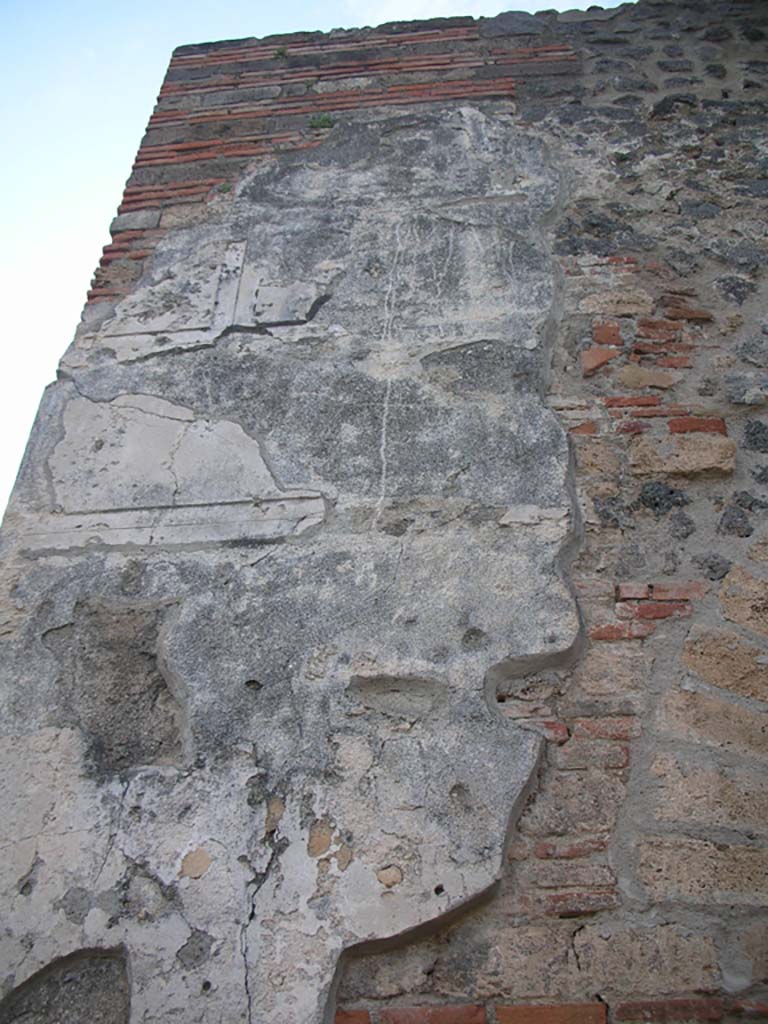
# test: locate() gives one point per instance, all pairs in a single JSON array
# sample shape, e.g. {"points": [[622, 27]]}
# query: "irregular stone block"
{"points": [[728, 661], [709, 797], [699, 872], [83, 988], [656, 960], [744, 599], [703, 719], [682, 455]]}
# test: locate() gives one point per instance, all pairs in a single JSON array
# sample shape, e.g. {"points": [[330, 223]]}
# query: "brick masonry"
{"points": [[636, 885]]}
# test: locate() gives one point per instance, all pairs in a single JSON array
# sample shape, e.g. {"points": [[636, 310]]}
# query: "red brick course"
{"points": [[661, 1010], [457, 1014], [697, 424], [566, 1013]]}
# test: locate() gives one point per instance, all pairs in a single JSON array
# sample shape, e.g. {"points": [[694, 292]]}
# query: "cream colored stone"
{"points": [[574, 802], [184, 215], [635, 377], [196, 863], [700, 872], [683, 455], [698, 718], [744, 598], [612, 671], [275, 812], [344, 856], [759, 550], [655, 961], [709, 796], [320, 835], [618, 302], [533, 962], [390, 876], [725, 660]]}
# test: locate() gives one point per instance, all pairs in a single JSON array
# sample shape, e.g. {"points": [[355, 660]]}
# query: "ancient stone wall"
{"points": [[334, 675]]}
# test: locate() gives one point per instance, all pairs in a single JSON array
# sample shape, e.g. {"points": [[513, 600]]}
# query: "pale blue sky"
{"points": [[78, 82]]}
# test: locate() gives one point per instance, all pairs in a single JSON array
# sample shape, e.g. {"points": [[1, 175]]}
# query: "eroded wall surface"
{"points": [[333, 672]]}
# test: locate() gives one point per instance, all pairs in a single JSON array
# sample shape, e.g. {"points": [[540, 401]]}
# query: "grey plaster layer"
{"points": [[285, 524]]}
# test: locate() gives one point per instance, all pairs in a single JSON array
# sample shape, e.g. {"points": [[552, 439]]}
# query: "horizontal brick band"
{"points": [[566, 1013]]}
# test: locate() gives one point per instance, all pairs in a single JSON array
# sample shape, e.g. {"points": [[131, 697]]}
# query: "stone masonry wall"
{"points": [[635, 885]]}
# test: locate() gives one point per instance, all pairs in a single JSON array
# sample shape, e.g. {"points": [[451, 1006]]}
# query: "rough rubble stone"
{"points": [[744, 598], [697, 871], [84, 986], [726, 660], [683, 455]]}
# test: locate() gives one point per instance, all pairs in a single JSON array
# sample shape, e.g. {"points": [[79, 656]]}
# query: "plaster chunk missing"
{"points": [[112, 688]]}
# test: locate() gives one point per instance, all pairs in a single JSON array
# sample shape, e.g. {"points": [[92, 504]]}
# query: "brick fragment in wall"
{"points": [[671, 1010], [567, 1013]]}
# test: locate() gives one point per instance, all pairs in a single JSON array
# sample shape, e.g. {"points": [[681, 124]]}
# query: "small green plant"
{"points": [[321, 121], [224, 187], [280, 52]]}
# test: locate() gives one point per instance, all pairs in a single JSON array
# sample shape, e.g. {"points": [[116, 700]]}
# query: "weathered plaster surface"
{"points": [[287, 521]]}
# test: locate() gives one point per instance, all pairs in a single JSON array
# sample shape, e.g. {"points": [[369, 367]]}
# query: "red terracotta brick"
{"points": [[606, 332], [587, 427], [679, 591], [577, 904], [661, 1010], [664, 330], [667, 410], [698, 425], [675, 362], [753, 1009], [662, 609], [631, 400], [569, 849], [632, 592], [565, 1013], [652, 610], [552, 730], [579, 754], [612, 631], [684, 312], [608, 727], [352, 1017], [632, 427], [593, 358], [456, 1014]]}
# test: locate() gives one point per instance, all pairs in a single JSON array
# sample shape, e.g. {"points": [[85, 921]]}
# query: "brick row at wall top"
{"points": [[224, 105]]}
